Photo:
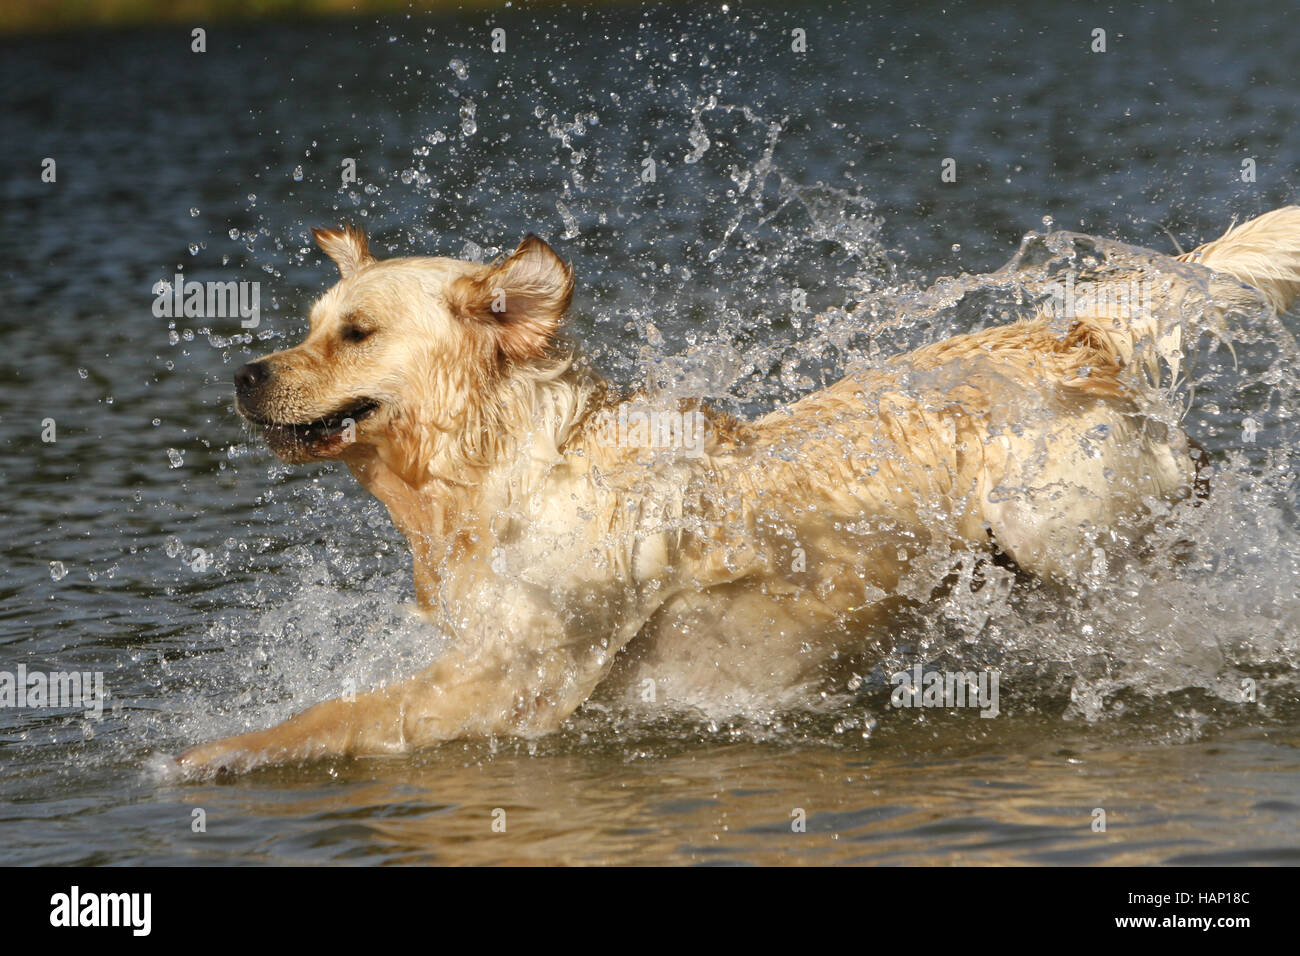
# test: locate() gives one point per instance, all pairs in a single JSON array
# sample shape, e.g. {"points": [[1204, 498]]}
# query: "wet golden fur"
{"points": [[559, 562]]}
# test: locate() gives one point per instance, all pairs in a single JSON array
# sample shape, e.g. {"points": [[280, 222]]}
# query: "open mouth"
{"points": [[320, 430]]}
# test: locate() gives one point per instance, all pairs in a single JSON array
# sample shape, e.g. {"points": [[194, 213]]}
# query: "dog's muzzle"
{"points": [[251, 379]]}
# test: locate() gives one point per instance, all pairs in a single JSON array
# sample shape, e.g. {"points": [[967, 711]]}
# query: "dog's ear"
{"points": [[347, 247], [520, 299]]}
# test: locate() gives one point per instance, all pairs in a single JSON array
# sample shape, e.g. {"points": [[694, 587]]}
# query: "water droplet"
{"points": [[194, 210], [570, 221], [297, 174], [458, 67], [175, 457], [57, 571]]}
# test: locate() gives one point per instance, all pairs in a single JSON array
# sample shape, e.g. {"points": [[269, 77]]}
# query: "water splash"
{"points": [[775, 286]]}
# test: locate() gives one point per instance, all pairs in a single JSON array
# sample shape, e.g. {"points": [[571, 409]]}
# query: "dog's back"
{"points": [[1054, 439]]}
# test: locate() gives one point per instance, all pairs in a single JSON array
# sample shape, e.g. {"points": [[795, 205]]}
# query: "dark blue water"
{"points": [[774, 170]]}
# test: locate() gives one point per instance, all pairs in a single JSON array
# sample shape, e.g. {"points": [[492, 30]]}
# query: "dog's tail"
{"points": [[1263, 252]]}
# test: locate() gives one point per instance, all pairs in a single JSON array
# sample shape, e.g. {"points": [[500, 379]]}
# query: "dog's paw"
{"points": [[215, 759], [163, 768]]}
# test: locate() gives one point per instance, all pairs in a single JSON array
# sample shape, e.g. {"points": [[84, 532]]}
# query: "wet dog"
{"points": [[566, 539]]}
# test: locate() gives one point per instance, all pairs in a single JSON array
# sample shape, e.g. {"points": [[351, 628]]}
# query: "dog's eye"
{"points": [[354, 333]]}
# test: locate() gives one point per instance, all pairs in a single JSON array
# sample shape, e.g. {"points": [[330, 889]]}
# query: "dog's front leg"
{"points": [[443, 701], [528, 683], [328, 728]]}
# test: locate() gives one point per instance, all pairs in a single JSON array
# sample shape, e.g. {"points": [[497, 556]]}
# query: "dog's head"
{"points": [[400, 351]]}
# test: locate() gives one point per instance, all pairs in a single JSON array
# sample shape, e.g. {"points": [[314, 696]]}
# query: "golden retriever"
{"points": [[566, 538]]}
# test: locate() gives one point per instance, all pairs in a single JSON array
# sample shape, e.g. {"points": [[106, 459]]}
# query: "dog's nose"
{"points": [[250, 376]]}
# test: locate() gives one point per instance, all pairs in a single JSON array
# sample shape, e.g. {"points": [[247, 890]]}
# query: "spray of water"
{"points": [[778, 287]]}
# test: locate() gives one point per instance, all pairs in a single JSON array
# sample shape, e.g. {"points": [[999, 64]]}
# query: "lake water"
{"points": [[217, 590]]}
